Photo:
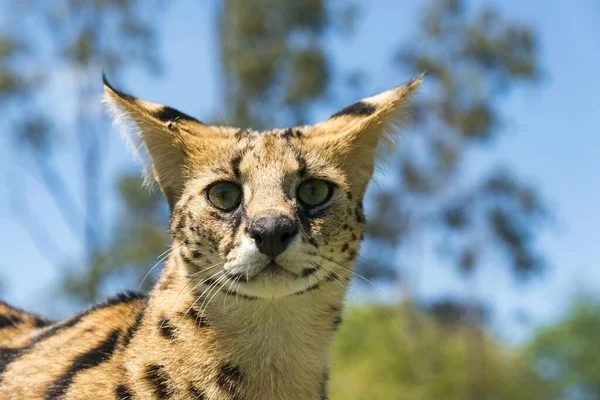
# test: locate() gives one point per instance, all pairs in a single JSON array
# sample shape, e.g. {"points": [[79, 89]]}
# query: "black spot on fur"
{"points": [[91, 359], [122, 392], [168, 114], [199, 320], [196, 393], [351, 254], [359, 108], [9, 321], [337, 320], [349, 195], [288, 133], [133, 328], [159, 379], [308, 271], [354, 237], [345, 247], [185, 258], [166, 282], [196, 254], [360, 218], [332, 277], [230, 377], [345, 227], [242, 132], [324, 384], [166, 329]]}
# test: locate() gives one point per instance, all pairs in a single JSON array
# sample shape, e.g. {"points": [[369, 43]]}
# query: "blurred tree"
{"points": [[274, 57], [567, 356], [473, 59], [378, 357], [39, 43]]}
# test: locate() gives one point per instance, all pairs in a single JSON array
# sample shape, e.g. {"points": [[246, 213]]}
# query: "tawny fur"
{"points": [[219, 324]]}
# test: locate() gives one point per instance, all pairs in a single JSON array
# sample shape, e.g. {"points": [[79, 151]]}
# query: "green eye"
{"points": [[225, 196], [314, 192]]}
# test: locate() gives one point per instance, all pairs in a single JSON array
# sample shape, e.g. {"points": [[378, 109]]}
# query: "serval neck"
{"points": [[259, 348]]}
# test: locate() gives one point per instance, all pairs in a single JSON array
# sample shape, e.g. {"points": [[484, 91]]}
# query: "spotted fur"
{"points": [[223, 321]]}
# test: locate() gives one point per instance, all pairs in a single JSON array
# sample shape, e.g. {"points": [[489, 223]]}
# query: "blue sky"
{"points": [[550, 138]]}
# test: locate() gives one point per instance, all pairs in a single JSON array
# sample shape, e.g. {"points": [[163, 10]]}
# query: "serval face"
{"points": [[265, 214]]}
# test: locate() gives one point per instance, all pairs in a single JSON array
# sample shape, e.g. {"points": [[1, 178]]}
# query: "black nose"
{"points": [[273, 233]]}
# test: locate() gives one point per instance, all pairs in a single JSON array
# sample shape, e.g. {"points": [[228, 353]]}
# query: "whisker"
{"points": [[175, 303], [161, 257], [200, 296], [204, 308]]}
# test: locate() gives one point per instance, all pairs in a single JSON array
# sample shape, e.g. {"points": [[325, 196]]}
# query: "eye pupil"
{"points": [[226, 196], [314, 192]]}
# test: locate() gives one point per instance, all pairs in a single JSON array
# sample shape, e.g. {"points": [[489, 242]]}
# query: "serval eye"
{"points": [[314, 192], [226, 196]]}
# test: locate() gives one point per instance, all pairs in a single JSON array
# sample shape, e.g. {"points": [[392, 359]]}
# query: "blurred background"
{"points": [[478, 278]]}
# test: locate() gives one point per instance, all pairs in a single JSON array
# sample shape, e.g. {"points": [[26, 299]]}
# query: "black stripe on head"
{"points": [[122, 392], [166, 329], [196, 393], [169, 114], [230, 377], [92, 358], [9, 321], [235, 165], [159, 379], [360, 108], [301, 160]]}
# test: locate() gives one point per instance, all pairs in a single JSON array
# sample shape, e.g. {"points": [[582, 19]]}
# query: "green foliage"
{"points": [[567, 355], [401, 353]]}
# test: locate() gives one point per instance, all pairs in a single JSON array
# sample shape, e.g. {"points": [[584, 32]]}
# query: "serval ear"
{"points": [[353, 134], [167, 135]]}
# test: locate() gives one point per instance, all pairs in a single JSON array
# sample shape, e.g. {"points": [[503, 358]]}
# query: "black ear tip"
{"points": [[106, 82], [119, 93]]}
